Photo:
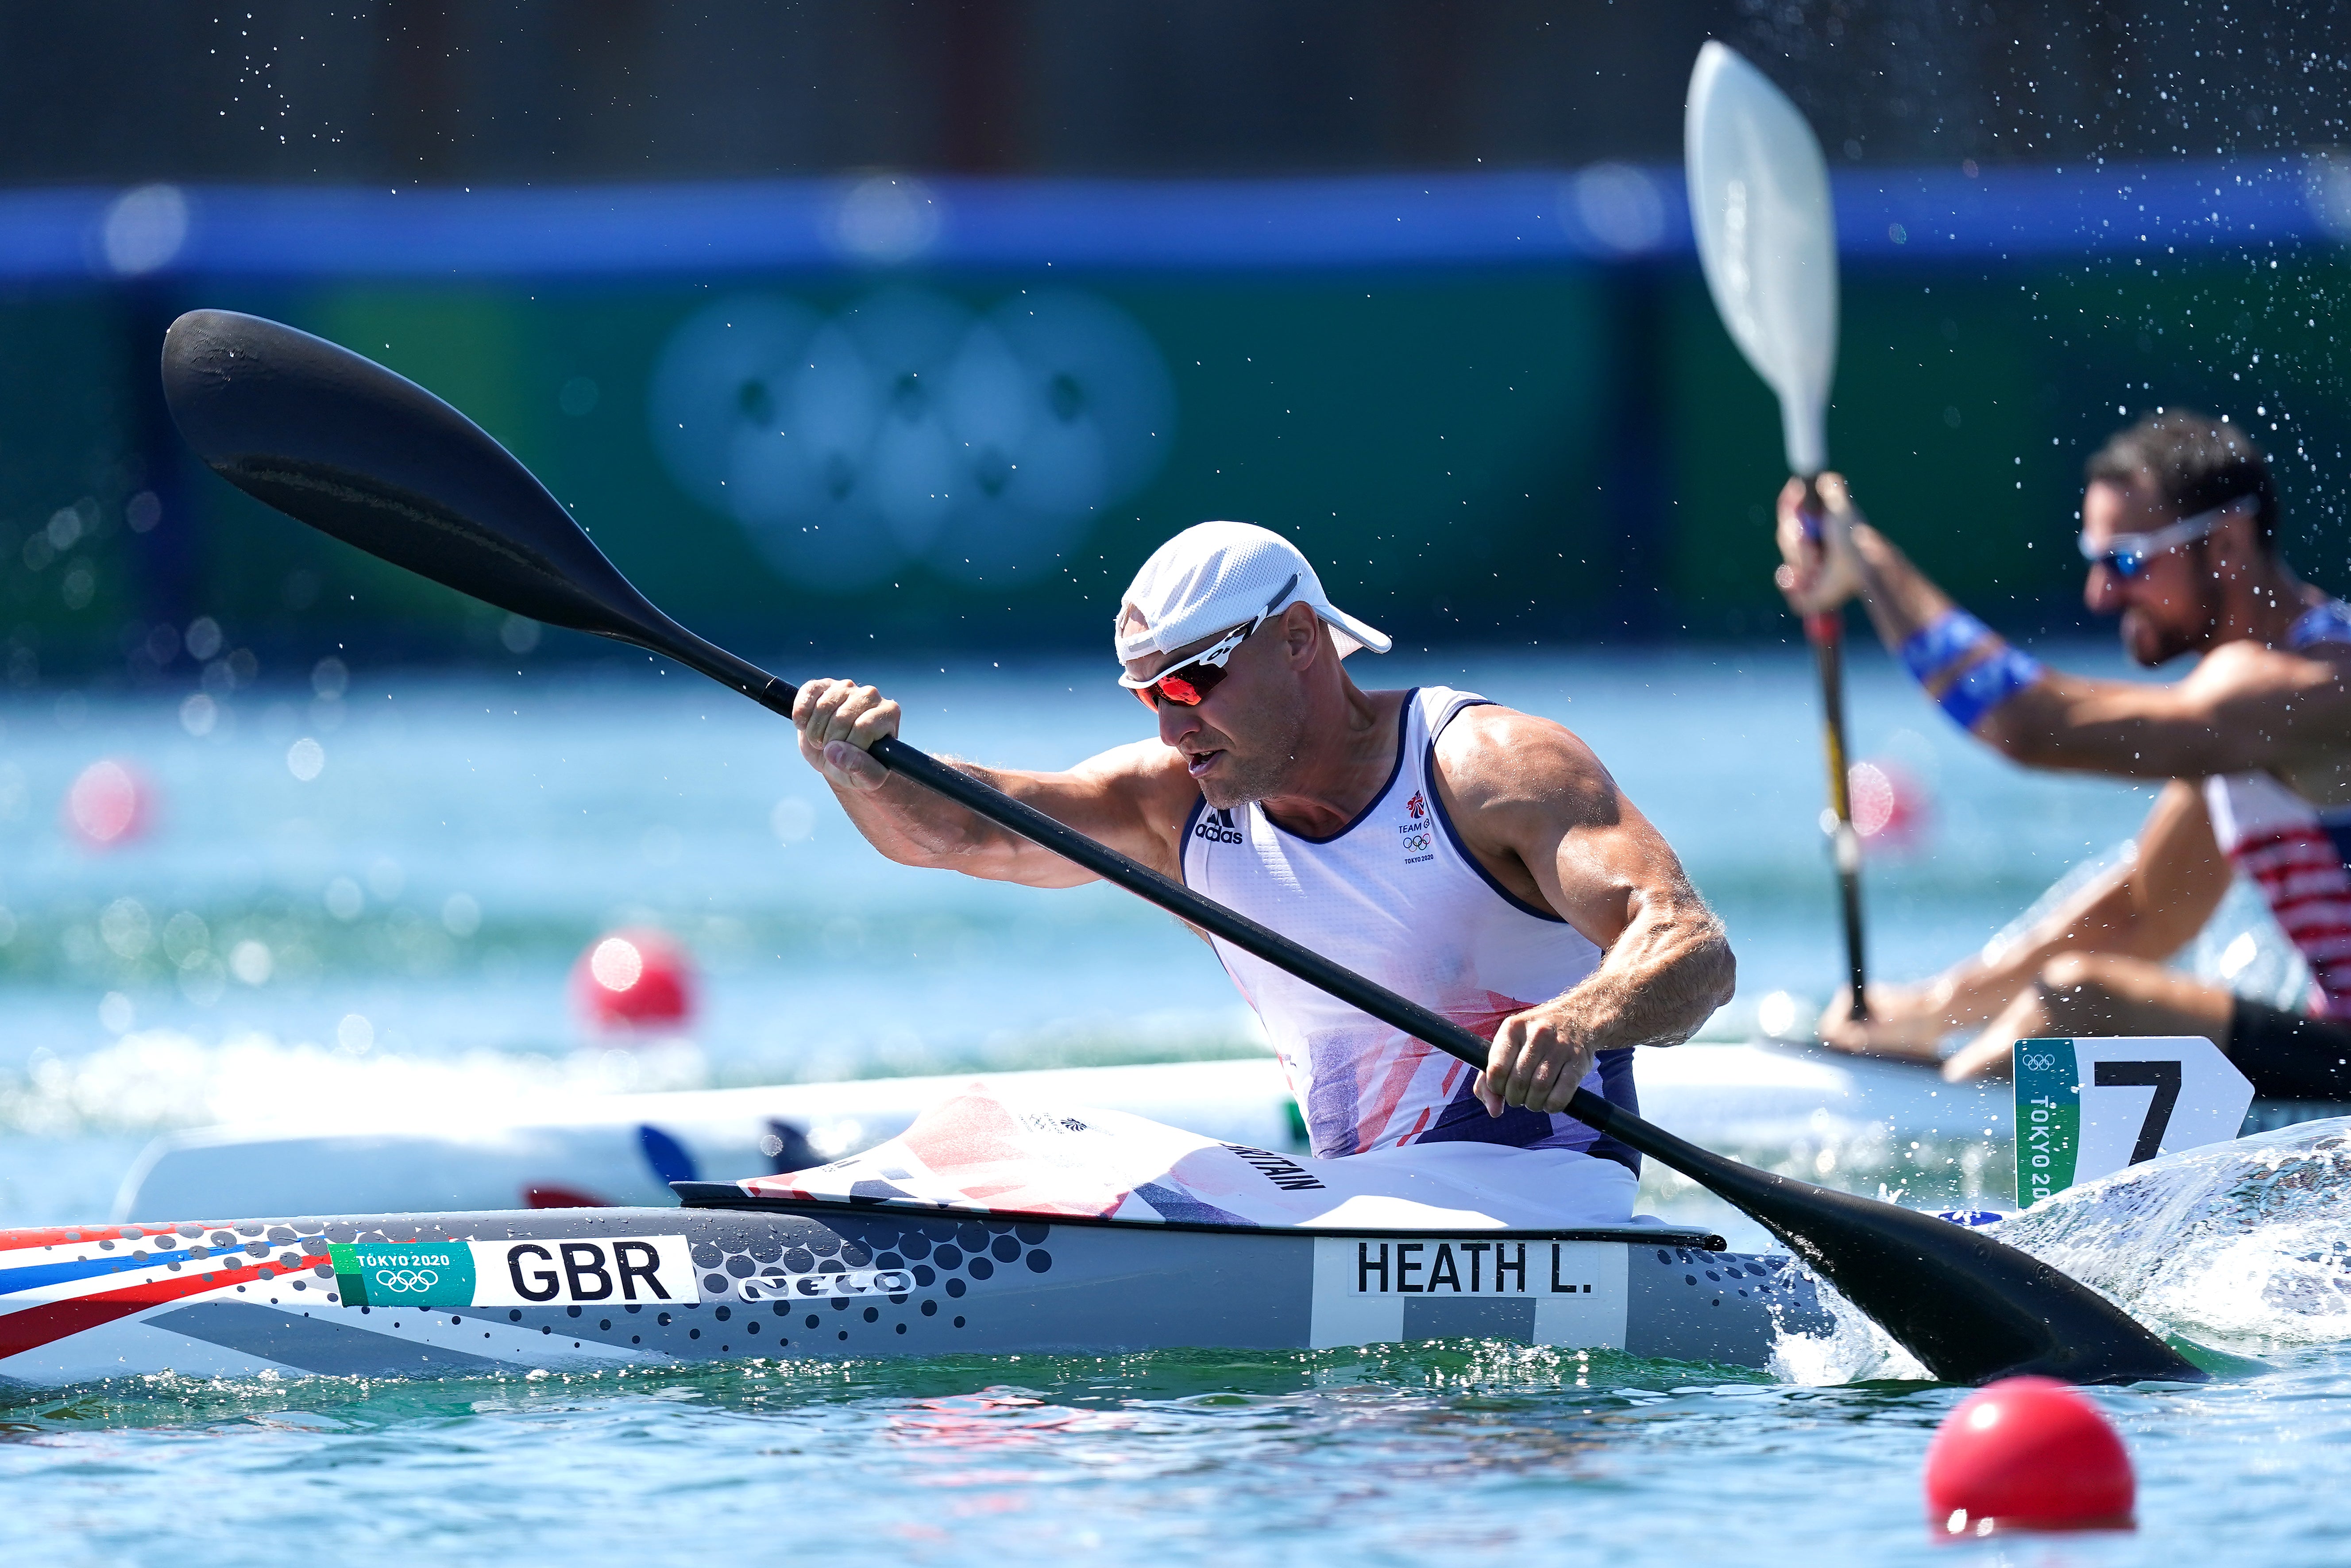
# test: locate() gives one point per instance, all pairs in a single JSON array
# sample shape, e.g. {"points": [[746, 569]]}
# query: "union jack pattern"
{"points": [[62, 1281], [2297, 854]]}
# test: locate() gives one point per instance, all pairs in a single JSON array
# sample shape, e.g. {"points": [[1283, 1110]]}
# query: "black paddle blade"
{"points": [[1969, 1308], [340, 443]]}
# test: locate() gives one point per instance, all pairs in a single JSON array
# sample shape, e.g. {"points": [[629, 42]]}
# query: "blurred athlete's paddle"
{"points": [[1759, 193], [350, 448]]}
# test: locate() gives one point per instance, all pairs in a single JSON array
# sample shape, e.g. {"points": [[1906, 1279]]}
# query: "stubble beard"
{"points": [[2150, 642], [1261, 774]]}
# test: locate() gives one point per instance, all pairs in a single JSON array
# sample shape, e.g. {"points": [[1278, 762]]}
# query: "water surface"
{"points": [[422, 899]]}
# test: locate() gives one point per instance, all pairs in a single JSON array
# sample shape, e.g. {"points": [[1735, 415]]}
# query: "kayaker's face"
{"points": [[2169, 607], [1240, 740]]}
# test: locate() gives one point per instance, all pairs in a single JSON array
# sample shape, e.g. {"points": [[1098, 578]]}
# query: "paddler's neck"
{"points": [[1345, 755], [2262, 605]]}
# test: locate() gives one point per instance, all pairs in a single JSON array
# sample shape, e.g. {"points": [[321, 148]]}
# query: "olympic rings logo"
{"points": [[906, 428], [410, 1280], [1413, 843]]}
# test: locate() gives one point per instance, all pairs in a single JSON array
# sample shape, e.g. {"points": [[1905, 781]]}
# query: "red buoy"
{"points": [[634, 979], [108, 805], [2027, 1453], [1890, 807]]}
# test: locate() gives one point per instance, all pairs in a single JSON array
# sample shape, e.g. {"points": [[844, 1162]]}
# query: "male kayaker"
{"points": [[2179, 525], [1477, 860]]}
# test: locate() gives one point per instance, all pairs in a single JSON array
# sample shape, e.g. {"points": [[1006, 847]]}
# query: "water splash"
{"points": [[2246, 1244], [1855, 1351]]}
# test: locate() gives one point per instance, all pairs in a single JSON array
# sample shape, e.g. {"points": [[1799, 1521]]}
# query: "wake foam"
{"points": [[1855, 1350], [2244, 1244]]}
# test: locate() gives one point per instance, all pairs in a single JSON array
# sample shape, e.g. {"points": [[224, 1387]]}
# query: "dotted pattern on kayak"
{"points": [[1726, 1272], [941, 1258], [947, 1262]]}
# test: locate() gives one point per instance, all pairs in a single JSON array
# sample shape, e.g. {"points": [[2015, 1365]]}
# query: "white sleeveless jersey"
{"points": [[2297, 854], [1397, 897]]}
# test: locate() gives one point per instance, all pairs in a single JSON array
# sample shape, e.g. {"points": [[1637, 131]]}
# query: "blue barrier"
{"points": [[1609, 214]]}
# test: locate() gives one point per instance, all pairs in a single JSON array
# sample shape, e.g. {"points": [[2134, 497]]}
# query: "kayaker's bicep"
{"points": [[1537, 807], [1600, 876], [2279, 708]]}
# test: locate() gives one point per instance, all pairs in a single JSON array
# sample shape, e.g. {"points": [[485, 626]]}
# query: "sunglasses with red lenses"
{"points": [[1188, 682]]}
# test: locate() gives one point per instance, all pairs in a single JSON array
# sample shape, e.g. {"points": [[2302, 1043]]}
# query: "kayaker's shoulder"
{"points": [[2247, 667], [1490, 754], [1489, 735]]}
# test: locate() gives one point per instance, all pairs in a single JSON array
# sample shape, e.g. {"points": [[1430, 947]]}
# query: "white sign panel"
{"points": [[2087, 1108]]}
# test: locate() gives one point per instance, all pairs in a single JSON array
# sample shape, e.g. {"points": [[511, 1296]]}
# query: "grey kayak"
{"points": [[459, 1294]]}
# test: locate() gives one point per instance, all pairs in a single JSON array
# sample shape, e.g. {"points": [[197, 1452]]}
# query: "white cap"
{"points": [[1213, 577]]}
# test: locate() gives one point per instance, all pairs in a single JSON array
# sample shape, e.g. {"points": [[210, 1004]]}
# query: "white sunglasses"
{"points": [[2128, 555]]}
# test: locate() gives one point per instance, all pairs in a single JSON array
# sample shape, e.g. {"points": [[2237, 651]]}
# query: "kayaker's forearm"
{"points": [[906, 821], [915, 827], [1901, 600], [1660, 981], [1972, 992]]}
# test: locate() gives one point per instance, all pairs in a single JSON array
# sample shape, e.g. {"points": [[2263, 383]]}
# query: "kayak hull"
{"points": [[473, 1294]]}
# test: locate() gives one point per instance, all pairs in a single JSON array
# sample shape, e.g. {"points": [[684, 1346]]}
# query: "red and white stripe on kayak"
{"points": [[52, 1300]]}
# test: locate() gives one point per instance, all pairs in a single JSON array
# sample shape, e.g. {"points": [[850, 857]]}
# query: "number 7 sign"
{"points": [[2086, 1108]]}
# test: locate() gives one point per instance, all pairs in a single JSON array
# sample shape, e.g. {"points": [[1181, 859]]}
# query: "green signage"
{"points": [[2048, 1118], [405, 1274]]}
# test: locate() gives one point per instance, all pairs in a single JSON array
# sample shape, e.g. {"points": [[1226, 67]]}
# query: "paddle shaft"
{"points": [[1826, 635]]}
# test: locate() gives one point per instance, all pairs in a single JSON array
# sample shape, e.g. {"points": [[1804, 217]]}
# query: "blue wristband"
{"points": [[1989, 684], [1941, 644]]}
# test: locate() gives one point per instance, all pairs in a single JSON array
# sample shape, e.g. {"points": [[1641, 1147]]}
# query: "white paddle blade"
{"points": [[1758, 192]]}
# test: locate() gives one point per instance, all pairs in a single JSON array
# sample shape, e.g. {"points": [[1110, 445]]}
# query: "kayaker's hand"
{"points": [[1904, 1021], [1818, 572], [838, 721], [1536, 1060]]}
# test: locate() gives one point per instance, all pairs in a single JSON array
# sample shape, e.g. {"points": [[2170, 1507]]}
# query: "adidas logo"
{"points": [[1217, 827]]}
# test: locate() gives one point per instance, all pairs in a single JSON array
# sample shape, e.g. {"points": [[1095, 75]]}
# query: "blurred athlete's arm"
{"points": [[2148, 907], [2244, 707]]}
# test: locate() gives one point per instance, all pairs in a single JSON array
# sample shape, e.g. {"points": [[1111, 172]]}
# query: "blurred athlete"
{"points": [[2179, 524], [1478, 861]]}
